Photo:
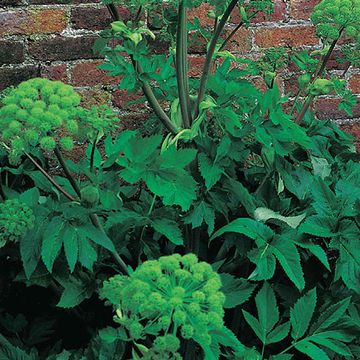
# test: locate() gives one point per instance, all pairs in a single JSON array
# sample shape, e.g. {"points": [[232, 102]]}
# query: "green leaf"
{"points": [[268, 311], [319, 226], [311, 350], [302, 313], [265, 262], [210, 171], [316, 250], [87, 254], [254, 324], [97, 236], [75, 292], [71, 246], [331, 315], [242, 194], [169, 229], [264, 214], [30, 197], [288, 256], [237, 291], [249, 227], [202, 213], [52, 242], [278, 334]]}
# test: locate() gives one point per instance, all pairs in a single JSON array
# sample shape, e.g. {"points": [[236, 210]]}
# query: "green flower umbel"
{"points": [[175, 294], [33, 112], [16, 219]]}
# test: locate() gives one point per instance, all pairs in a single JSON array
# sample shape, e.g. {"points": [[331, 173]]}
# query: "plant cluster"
{"points": [[226, 227]]}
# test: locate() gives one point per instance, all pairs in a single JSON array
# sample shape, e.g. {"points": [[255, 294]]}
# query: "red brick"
{"points": [[196, 64], [32, 22], [95, 18], [61, 48], [354, 83], [292, 35], [327, 108], [55, 72], [301, 9], [279, 13], [201, 12], [90, 98], [121, 99], [240, 42], [14, 76], [87, 74], [11, 52], [353, 129]]}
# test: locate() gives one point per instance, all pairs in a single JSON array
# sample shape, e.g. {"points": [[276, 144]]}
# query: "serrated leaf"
{"points": [[268, 311], [289, 259], [52, 242], [87, 254], [237, 291], [169, 229], [243, 195], [322, 226], [210, 171], [249, 227], [302, 313], [75, 292], [278, 334], [97, 236], [71, 247], [265, 262], [264, 214], [202, 213], [317, 251], [311, 350], [331, 315], [254, 324]]}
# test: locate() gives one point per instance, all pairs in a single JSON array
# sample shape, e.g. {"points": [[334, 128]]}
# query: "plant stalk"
{"points": [[149, 94], [181, 64], [210, 54], [51, 180], [67, 172]]}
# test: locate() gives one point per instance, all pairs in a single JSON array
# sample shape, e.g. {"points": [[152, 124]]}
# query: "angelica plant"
{"points": [[16, 219], [175, 295]]}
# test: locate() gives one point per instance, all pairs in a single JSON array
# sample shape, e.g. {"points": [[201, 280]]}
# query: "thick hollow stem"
{"points": [[67, 172], [149, 94], [92, 156], [51, 180], [181, 64], [304, 108], [210, 54]]}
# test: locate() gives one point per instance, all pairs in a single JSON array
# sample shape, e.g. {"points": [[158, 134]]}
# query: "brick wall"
{"points": [[53, 38]]}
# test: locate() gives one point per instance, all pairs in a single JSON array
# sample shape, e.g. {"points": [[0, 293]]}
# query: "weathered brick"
{"points": [[121, 99], [61, 48], [15, 75], [55, 72], [201, 12], [354, 83], [32, 22], [10, 2], [95, 18], [196, 64], [292, 35], [90, 98], [301, 9], [11, 52], [353, 129], [327, 108], [133, 121], [240, 42], [87, 74]]}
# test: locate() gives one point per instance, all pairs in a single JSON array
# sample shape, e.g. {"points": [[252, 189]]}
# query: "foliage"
{"points": [[266, 196]]}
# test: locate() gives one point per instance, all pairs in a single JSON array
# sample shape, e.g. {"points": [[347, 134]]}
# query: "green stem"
{"points": [[115, 254], [181, 64], [67, 172], [49, 178], [92, 156], [304, 108], [210, 54], [149, 94]]}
